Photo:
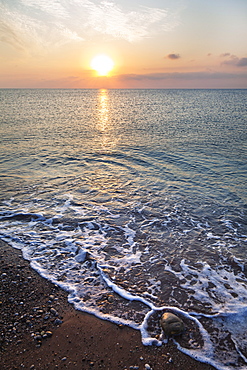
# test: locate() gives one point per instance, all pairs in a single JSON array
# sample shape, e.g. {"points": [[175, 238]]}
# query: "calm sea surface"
{"points": [[134, 201]]}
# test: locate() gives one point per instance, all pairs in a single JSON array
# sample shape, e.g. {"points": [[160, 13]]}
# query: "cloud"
{"points": [[56, 22], [65, 82], [203, 75], [9, 36], [33, 32], [110, 19], [52, 7], [233, 60], [225, 55], [242, 62], [173, 56]]}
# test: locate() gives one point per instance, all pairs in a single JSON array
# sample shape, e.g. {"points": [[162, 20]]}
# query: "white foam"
{"points": [[225, 282], [129, 235], [211, 236]]}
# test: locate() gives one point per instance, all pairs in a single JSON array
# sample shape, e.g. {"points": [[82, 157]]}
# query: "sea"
{"points": [[134, 202]]}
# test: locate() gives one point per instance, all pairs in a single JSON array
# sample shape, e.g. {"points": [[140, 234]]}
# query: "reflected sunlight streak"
{"points": [[107, 140], [103, 110]]}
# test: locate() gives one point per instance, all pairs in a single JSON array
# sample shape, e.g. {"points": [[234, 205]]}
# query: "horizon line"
{"points": [[123, 88]]}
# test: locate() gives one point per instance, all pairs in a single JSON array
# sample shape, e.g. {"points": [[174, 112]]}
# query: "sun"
{"points": [[102, 64]]}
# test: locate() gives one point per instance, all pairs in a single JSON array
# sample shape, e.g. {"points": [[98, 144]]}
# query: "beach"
{"points": [[41, 330], [126, 204]]}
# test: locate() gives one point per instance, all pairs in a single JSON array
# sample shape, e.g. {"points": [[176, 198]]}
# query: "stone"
{"points": [[58, 322], [53, 311], [38, 338], [171, 324]]}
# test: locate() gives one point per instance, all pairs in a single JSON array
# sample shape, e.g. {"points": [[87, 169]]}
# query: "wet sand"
{"points": [[41, 330]]}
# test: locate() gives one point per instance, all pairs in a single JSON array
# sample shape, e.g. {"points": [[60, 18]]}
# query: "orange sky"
{"points": [[154, 44]]}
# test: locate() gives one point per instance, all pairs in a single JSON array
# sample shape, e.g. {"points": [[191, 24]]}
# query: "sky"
{"points": [[153, 43]]}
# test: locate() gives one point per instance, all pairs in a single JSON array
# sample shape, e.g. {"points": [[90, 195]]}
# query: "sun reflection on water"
{"points": [[103, 110], [108, 140]]}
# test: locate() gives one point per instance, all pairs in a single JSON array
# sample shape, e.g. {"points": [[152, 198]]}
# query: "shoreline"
{"points": [[41, 330]]}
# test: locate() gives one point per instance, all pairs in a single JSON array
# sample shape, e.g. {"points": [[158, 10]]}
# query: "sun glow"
{"points": [[102, 64]]}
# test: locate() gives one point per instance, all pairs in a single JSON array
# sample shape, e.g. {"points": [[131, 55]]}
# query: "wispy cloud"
{"points": [[30, 32], [110, 19], [53, 7], [9, 35], [46, 22]]}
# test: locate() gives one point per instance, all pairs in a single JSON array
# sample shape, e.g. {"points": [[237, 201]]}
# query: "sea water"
{"points": [[134, 202]]}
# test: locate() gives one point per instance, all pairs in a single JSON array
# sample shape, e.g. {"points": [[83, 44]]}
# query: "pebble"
{"points": [[38, 338], [53, 311], [36, 309], [29, 323], [48, 333], [148, 367], [58, 322], [110, 298], [171, 324]]}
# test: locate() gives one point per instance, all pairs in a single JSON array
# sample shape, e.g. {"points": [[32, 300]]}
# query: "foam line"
{"points": [[72, 298], [118, 321], [239, 351], [208, 346], [122, 292]]}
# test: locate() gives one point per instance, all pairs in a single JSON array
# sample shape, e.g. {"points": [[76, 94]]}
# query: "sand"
{"points": [[41, 330]]}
